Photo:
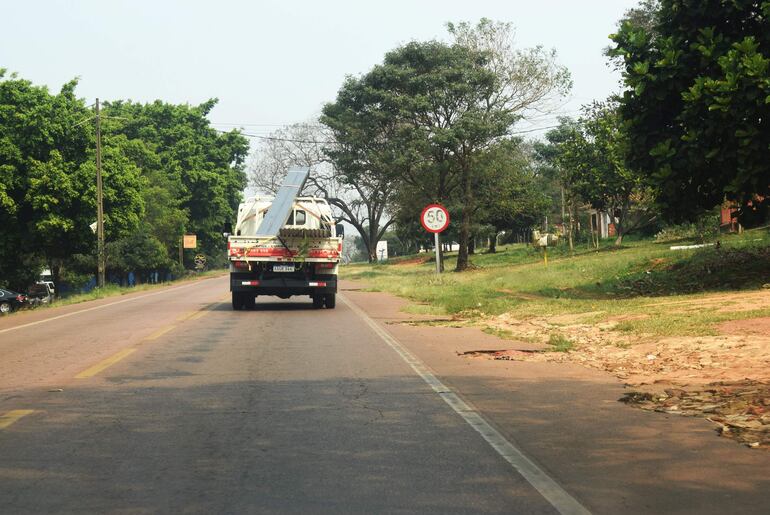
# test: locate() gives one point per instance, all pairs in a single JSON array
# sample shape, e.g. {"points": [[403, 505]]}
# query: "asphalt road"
{"points": [[170, 402]]}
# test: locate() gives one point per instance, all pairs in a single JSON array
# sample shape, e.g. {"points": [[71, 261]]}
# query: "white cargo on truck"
{"points": [[299, 256]]}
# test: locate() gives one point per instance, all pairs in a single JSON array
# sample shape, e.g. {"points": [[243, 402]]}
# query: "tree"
{"points": [[510, 196], [42, 205], [642, 17], [358, 198], [165, 169], [370, 153], [697, 105], [469, 94], [200, 169], [140, 252], [551, 161], [593, 158]]}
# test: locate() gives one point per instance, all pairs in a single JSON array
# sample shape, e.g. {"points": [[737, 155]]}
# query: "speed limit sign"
{"points": [[434, 218]]}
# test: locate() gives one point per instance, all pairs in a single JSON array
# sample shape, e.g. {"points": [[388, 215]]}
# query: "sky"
{"points": [[275, 63]]}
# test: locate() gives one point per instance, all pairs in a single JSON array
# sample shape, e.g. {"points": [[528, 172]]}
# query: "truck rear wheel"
{"points": [[330, 300], [250, 302], [318, 301], [238, 301]]}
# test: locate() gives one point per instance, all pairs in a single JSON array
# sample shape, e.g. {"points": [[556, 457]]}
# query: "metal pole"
{"points": [[101, 261], [181, 250], [438, 255]]}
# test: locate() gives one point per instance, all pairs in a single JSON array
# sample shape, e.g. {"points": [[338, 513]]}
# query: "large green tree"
{"points": [[697, 106], [593, 160], [442, 105], [198, 172], [555, 178], [509, 191], [43, 145], [165, 171]]}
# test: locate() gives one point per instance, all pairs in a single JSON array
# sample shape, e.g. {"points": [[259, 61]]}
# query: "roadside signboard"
{"points": [[200, 262], [435, 219], [190, 241]]}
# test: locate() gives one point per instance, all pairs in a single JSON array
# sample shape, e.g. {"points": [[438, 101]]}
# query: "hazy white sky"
{"points": [[273, 63]]}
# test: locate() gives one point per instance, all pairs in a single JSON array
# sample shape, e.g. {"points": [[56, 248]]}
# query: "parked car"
{"points": [[51, 286], [10, 300], [40, 293]]}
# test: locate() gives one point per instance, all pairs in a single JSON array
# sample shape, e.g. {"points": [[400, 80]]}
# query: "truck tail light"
{"points": [[243, 265], [250, 283], [324, 265], [319, 284]]}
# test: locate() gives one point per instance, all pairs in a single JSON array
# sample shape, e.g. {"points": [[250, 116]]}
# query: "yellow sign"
{"points": [[190, 241]]}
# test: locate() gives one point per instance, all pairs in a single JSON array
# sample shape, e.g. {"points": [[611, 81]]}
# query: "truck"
{"points": [[284, 246]]}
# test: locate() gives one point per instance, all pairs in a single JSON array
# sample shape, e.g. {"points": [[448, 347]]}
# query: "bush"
{"points": [[705, 228]]}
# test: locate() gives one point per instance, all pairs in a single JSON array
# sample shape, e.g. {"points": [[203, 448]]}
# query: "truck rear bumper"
{"points": [[283, 286]]}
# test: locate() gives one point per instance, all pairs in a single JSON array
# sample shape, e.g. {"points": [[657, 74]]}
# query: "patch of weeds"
{"points": [[712, 269], [423, 309], [560, 343], [444, 322], [505, 334]]}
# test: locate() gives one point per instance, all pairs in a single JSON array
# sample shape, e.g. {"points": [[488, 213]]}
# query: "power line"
{"points": [[273, 138], [291, 140], [534, 130], [268, 124]]}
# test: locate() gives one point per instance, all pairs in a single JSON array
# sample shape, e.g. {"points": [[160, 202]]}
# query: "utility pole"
{"points": [[101, 262]]}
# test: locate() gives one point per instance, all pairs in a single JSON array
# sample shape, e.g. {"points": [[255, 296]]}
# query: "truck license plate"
{"points": [[283, 268]]}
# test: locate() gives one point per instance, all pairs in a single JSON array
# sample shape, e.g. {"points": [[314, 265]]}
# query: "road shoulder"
{"points": [[568, 420]]}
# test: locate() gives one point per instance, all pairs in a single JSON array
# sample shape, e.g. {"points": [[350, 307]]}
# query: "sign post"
{"points": [[435, 219], [544, 240]]}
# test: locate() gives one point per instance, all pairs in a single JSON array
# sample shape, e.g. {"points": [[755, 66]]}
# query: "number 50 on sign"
{"points": [[435, 218]]}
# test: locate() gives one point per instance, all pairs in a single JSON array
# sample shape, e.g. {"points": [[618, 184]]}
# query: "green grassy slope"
{"points": [[641, 277]]}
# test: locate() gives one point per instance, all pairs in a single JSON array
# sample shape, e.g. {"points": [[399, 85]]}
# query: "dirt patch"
{"points": [[639, 359], [741, 301], [419, 260], [752, 326], [740, 410], [725, 378]]}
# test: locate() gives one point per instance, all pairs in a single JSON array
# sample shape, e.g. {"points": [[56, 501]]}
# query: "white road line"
{"points": [[542, 482], [102, 306]]}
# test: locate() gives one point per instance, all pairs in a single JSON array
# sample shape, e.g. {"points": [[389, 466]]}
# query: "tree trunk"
{"points": [[373, 241], [571, 230], [55, 275], [492, 244], [465, 223], [471, 245], [620, 226]]}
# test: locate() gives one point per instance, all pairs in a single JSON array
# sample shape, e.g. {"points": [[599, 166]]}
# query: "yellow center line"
{"points": [[13, 416], [160, 332], [192, 315], [199, 314], [185, 316], [90, 372]]}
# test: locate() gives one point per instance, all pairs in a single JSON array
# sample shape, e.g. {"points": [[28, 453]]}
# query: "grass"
{"points": [[112, 290], [560, 343], [640, 278]]}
